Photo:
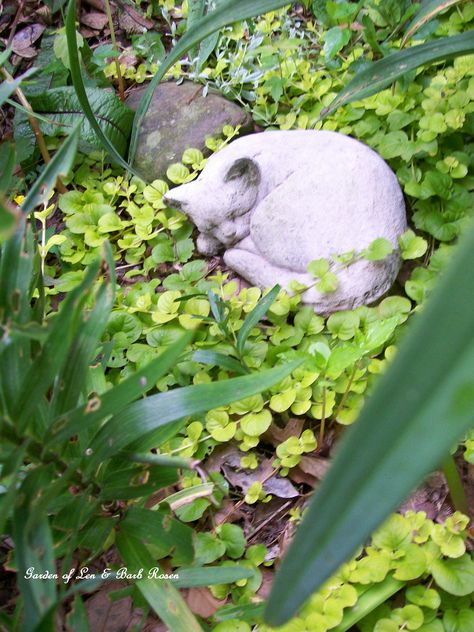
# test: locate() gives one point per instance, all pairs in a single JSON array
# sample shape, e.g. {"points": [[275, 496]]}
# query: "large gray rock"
{"points": [[274, 202], [179, 117]]}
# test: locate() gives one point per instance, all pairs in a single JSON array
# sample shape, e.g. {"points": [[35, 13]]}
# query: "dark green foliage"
{"points": [[52, 421]]}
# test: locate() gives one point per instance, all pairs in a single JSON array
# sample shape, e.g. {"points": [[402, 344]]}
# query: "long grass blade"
{"points": [[426, 400], [162, 596], [78, 83], [164, 410], [117, 398], [382, 73], [428, 11], [258, 312]]}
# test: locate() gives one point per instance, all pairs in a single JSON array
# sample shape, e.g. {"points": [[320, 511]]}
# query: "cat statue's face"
{"points": [[219, 201]]}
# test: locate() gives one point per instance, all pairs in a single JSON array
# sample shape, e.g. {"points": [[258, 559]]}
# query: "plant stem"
{"points": [[34, 126], [322, 426], [121, 85], [456, 489]]}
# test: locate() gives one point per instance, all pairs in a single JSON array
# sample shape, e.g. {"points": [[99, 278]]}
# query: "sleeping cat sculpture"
{"points": [[275, 201]]}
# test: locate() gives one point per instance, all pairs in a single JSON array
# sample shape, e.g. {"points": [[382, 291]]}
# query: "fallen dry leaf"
{"points": [[24, 39], [276, 435], [106, 615], [430, 497], [243, 479], [94, 20], [315, 466], [266, 585], [202, 602]]}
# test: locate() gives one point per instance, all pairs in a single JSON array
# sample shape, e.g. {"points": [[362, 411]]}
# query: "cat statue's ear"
{"points": [[244, 169]]}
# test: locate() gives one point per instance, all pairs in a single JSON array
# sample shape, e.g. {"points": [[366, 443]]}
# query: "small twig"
{"points": [[253, 533], [16, 19], [34, 126], [346, 392], [121, 85]]}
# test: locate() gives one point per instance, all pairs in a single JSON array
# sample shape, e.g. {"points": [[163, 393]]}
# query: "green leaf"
{"points": [[319, 267], [412, 246], [255, 316], [328, 284], [9, 213], [455, 576], [234, 540], [334, 40], [219, 359], [7, 164], [393, 144], [60, 165], [227, 13], [195, 11], [208, 548], [343, 325], [368, 601], [458, 621], [8, 498], [158, 528], [115, 399], [428, 384], [427, 12], [162, 596], [33, 550], [380, 74], [209, 575], [64, 111], [255, 424], [84, 346], [208, 45], [56, 349], [81, 93], [7, 87], [145, 416], [379, 249]]}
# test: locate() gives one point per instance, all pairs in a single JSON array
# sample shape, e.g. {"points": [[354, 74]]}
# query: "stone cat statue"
{"points": [[275, 201]]}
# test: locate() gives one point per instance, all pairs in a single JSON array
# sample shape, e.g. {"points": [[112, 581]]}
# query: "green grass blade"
{"points": [[9, 218], [73, 377], [368, 601], [428, 11], [78, 83], [33, 549], [114, 400], [165, 409], [4, 55], [209, 575], [382, 73], [55, 352], [60, 165], [219, 359], [253, 318], [162, 596], [16, 269], [424, 400], [7, 499], [8, 87], [228, 13], [7, 164]]}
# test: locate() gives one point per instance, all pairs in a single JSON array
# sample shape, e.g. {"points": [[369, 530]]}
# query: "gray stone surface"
{"points": [[274, 202], [180, 117]]}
